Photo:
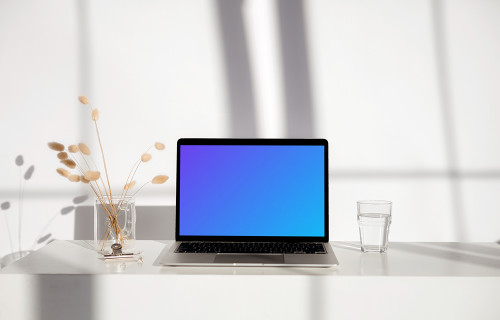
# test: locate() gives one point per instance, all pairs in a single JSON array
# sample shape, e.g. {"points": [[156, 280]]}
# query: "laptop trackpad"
{"points": [[250, 258]]}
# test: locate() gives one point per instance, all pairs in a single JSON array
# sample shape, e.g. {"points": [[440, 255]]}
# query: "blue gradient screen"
{"points": [[252, 190]]}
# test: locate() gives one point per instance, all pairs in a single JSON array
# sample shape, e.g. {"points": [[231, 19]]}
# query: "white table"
{"points": [[66, 280]]}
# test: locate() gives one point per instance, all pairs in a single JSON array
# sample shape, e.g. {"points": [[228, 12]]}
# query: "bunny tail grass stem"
{"points": [[115, 227], [108, 195], [101, 199], [104, 187], [99, 194], [93, 162], [110, 211], [112, 216], [136, 166], [102, 181], [141, 188], [78, 165], [104, 163], [84, 159], [105, 238], [124, 192]]}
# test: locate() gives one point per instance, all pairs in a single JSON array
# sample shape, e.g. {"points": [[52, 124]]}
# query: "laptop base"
{"points": [[169, 257]]}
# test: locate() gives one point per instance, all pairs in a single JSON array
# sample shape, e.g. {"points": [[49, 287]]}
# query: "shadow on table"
{"points": [[153, 223], [470, 253]]}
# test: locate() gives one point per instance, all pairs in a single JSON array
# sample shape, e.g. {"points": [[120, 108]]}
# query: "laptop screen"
{"points": [[263, 188]]}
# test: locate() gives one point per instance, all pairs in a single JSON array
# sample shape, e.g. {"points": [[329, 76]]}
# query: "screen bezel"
{"points": [[242, 142]]}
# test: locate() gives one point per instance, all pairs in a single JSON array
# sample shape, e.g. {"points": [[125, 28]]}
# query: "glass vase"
{"points": [[114, 222]]}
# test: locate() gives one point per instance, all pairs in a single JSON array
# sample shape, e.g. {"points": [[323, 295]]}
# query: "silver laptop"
{"points": [[251, 202]]}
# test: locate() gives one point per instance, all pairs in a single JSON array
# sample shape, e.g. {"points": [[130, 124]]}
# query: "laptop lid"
{"points": [[252, 190]]}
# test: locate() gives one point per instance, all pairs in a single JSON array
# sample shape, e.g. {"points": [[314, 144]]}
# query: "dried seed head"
{"points": [[145, 157], [74, 178], [84, 180], [73, 149], [83, 148], [63, 172], [129, 185], [56, 146], [95, 114], [92, 175], [62, 155], [159, 146], [69, 163], [159, 179], [83, 99]]}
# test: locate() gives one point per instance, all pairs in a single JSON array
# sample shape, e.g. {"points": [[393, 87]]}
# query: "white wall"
{"points": [[405, 91]]}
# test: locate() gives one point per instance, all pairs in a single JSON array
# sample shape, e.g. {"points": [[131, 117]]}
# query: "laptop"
{"points": [[251, 202]]}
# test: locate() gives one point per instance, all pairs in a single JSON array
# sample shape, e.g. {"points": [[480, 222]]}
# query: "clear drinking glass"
{"points": [[374, 219], [114, 222]]}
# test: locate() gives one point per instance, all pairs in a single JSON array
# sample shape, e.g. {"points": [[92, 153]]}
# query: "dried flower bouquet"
{"points": [[78, 158]]}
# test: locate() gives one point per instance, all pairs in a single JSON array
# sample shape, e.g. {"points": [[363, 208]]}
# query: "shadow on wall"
{"points": [[153, 223], [296, 71], [237, 68]]}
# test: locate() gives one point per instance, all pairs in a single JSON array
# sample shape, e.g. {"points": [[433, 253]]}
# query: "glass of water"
{"points": [[374, 219]]}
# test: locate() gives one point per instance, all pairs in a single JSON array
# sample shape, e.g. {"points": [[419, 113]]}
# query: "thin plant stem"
{"points": [[103, 158], [140, 188], [93, 162], [105, 193], [137, 163], [83, 157], [100, 193], [104, 206], [100, 197], [114, 226], [140, 161], [112, 217], [136, 166], [104, 163], [105, 239], [77, 163], [82, 171], [101, 200], [100, 177], [125, 192], [113, 223]]}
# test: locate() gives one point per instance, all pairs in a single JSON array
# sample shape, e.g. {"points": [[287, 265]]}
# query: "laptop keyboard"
{"points": [[252, 247]]}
